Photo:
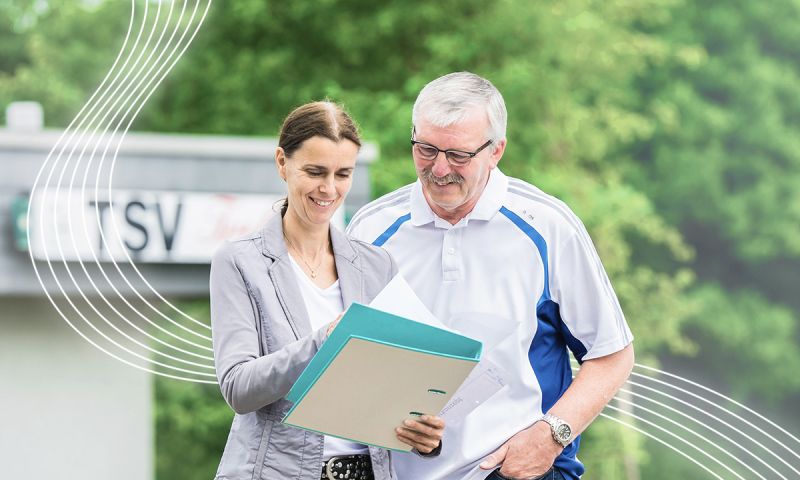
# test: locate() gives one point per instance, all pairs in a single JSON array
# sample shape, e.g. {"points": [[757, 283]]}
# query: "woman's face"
{"points": [[319, 175]]}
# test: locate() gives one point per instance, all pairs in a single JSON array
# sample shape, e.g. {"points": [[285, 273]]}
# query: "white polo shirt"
{"points": [[519, 273]]}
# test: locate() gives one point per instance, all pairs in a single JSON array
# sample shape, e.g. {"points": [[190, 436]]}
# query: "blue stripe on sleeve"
{"points": [[538, 240], [391, 230]]}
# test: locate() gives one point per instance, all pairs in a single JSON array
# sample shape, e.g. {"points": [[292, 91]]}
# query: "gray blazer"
{"points": [[263, 341]]}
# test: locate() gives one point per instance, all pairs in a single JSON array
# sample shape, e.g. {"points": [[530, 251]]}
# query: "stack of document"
{"points": [[376, 370]]}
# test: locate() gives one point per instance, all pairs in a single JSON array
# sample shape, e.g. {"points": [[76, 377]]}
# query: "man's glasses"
{"points": [[456, 158]]}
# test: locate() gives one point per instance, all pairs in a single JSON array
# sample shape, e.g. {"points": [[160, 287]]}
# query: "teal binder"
{"points": [[375, 370]]}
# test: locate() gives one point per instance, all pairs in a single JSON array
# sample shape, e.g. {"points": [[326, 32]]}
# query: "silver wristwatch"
{"points": [[561, 430]]}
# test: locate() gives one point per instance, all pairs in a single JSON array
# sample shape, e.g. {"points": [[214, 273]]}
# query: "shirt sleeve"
{"points": [[587, 303], [249, 380]]}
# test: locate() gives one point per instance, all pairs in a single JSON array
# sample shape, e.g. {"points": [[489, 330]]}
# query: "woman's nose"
{"points": [[326, 185]]}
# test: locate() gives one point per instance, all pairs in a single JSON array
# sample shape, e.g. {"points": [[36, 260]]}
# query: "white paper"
{"points": [[488, 328], [486, 379], [399, 299]]}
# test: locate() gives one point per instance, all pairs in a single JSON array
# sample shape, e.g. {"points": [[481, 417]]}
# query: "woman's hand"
{"points": [[423, 433], [333, 324]]}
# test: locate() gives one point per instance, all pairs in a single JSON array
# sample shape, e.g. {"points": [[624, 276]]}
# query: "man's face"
{"points": [[453, 191]]}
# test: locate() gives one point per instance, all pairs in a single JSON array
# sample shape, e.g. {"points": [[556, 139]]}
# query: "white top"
{"points": [[323, 306], [519, 273]]}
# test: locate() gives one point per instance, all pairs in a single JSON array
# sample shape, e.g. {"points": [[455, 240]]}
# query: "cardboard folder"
{"points": [[376, 370]]}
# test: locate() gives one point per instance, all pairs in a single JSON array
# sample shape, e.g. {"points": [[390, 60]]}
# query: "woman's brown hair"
{"points": [[325, 119]]}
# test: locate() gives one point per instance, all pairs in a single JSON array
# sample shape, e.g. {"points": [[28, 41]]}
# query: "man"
{"points": [[499, 260]]}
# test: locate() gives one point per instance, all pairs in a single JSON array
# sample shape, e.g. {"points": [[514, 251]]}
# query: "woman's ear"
{"points": [[280, 162]]}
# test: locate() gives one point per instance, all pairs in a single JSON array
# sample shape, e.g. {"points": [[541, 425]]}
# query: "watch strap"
{"points": [[555, 423]]}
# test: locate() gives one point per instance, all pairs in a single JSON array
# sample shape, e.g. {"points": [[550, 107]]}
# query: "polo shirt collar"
{"points": [[488, 205], [421, 213], [492, 197]]}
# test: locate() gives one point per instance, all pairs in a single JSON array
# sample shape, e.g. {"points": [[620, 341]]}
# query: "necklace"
{"points": [[313, 270]]}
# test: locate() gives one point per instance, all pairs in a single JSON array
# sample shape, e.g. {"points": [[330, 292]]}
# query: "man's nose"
{"points": [[441, 167]]}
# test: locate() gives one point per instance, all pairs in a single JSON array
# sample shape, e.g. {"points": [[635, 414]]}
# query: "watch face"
{"points": [[563, 432]]}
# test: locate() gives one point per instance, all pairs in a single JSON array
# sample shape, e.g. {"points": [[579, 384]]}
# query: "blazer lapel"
{"points": [[283, 278], [347, 268]]}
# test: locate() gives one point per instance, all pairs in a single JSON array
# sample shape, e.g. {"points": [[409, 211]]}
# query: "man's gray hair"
{"points": [[452, 98]]}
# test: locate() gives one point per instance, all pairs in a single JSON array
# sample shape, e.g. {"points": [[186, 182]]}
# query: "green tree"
{"points": [[47, 54], [722, 165], [668, 126]]}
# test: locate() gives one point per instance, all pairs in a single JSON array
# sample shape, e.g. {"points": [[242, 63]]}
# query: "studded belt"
{"points": [[358, 467]]}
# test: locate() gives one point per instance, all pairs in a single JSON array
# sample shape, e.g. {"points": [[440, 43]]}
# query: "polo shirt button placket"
{"points": [[451, 262]]}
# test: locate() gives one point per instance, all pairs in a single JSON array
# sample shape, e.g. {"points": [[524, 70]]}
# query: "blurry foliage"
{"points": [[53, 57], [727, 155], [756, 342], [192, 420], [669, 126]]}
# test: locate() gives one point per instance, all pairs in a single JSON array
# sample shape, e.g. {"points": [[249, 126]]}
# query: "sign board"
{"points": [[150, 226]]}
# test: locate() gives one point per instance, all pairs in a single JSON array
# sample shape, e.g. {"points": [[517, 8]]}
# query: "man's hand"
{"points": [[423, 433], [527, 454]]}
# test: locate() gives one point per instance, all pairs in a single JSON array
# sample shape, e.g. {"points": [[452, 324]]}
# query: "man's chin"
{"points": [[446, 203]]}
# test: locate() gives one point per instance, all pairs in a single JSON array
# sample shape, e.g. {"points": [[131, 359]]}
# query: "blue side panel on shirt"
{"points": [[550, 310], [549, 356], [548, 353], [383, 237]]}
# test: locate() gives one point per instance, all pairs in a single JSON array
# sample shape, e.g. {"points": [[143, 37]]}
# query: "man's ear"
{"points": [[280, 162], [497, 153]]}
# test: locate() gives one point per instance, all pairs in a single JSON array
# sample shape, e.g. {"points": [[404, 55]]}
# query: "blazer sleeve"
{"points": [[248, 380]]}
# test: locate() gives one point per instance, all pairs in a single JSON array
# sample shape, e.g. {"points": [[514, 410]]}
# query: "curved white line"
{"points": [[662, 442], [714, 392], [69, 272], [113, 225], [683, 414], [89, 277], [695, 433], [99, 265], [33, 193], [720, 407], [766, 449], [711, 457], [121, 139]]}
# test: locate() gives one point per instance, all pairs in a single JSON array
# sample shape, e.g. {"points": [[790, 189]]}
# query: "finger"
{"points": [[424, 445], [495, 458], [420, 447], [418, 437], [422, 428], [433, 421]]}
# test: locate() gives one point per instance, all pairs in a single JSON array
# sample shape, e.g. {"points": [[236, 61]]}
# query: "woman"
{"points": [[275, 297]]}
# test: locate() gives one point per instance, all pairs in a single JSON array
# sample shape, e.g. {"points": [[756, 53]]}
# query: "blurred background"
{"points": [[671, 127]]}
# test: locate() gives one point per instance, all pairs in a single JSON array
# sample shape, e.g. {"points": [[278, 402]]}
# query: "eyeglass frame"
{"points": [[452, 162]]}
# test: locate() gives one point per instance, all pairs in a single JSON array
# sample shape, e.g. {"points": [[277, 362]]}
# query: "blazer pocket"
{"points": [[241, 450], [283, 457]]}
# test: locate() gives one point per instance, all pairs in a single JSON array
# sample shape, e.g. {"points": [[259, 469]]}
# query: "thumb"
{"points": [[496, 458]]}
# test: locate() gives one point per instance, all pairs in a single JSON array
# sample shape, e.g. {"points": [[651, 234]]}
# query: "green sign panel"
{"points": [[19, 214]]}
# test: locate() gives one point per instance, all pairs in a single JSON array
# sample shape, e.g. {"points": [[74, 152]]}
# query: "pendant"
{"points": [[313, 274]]}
